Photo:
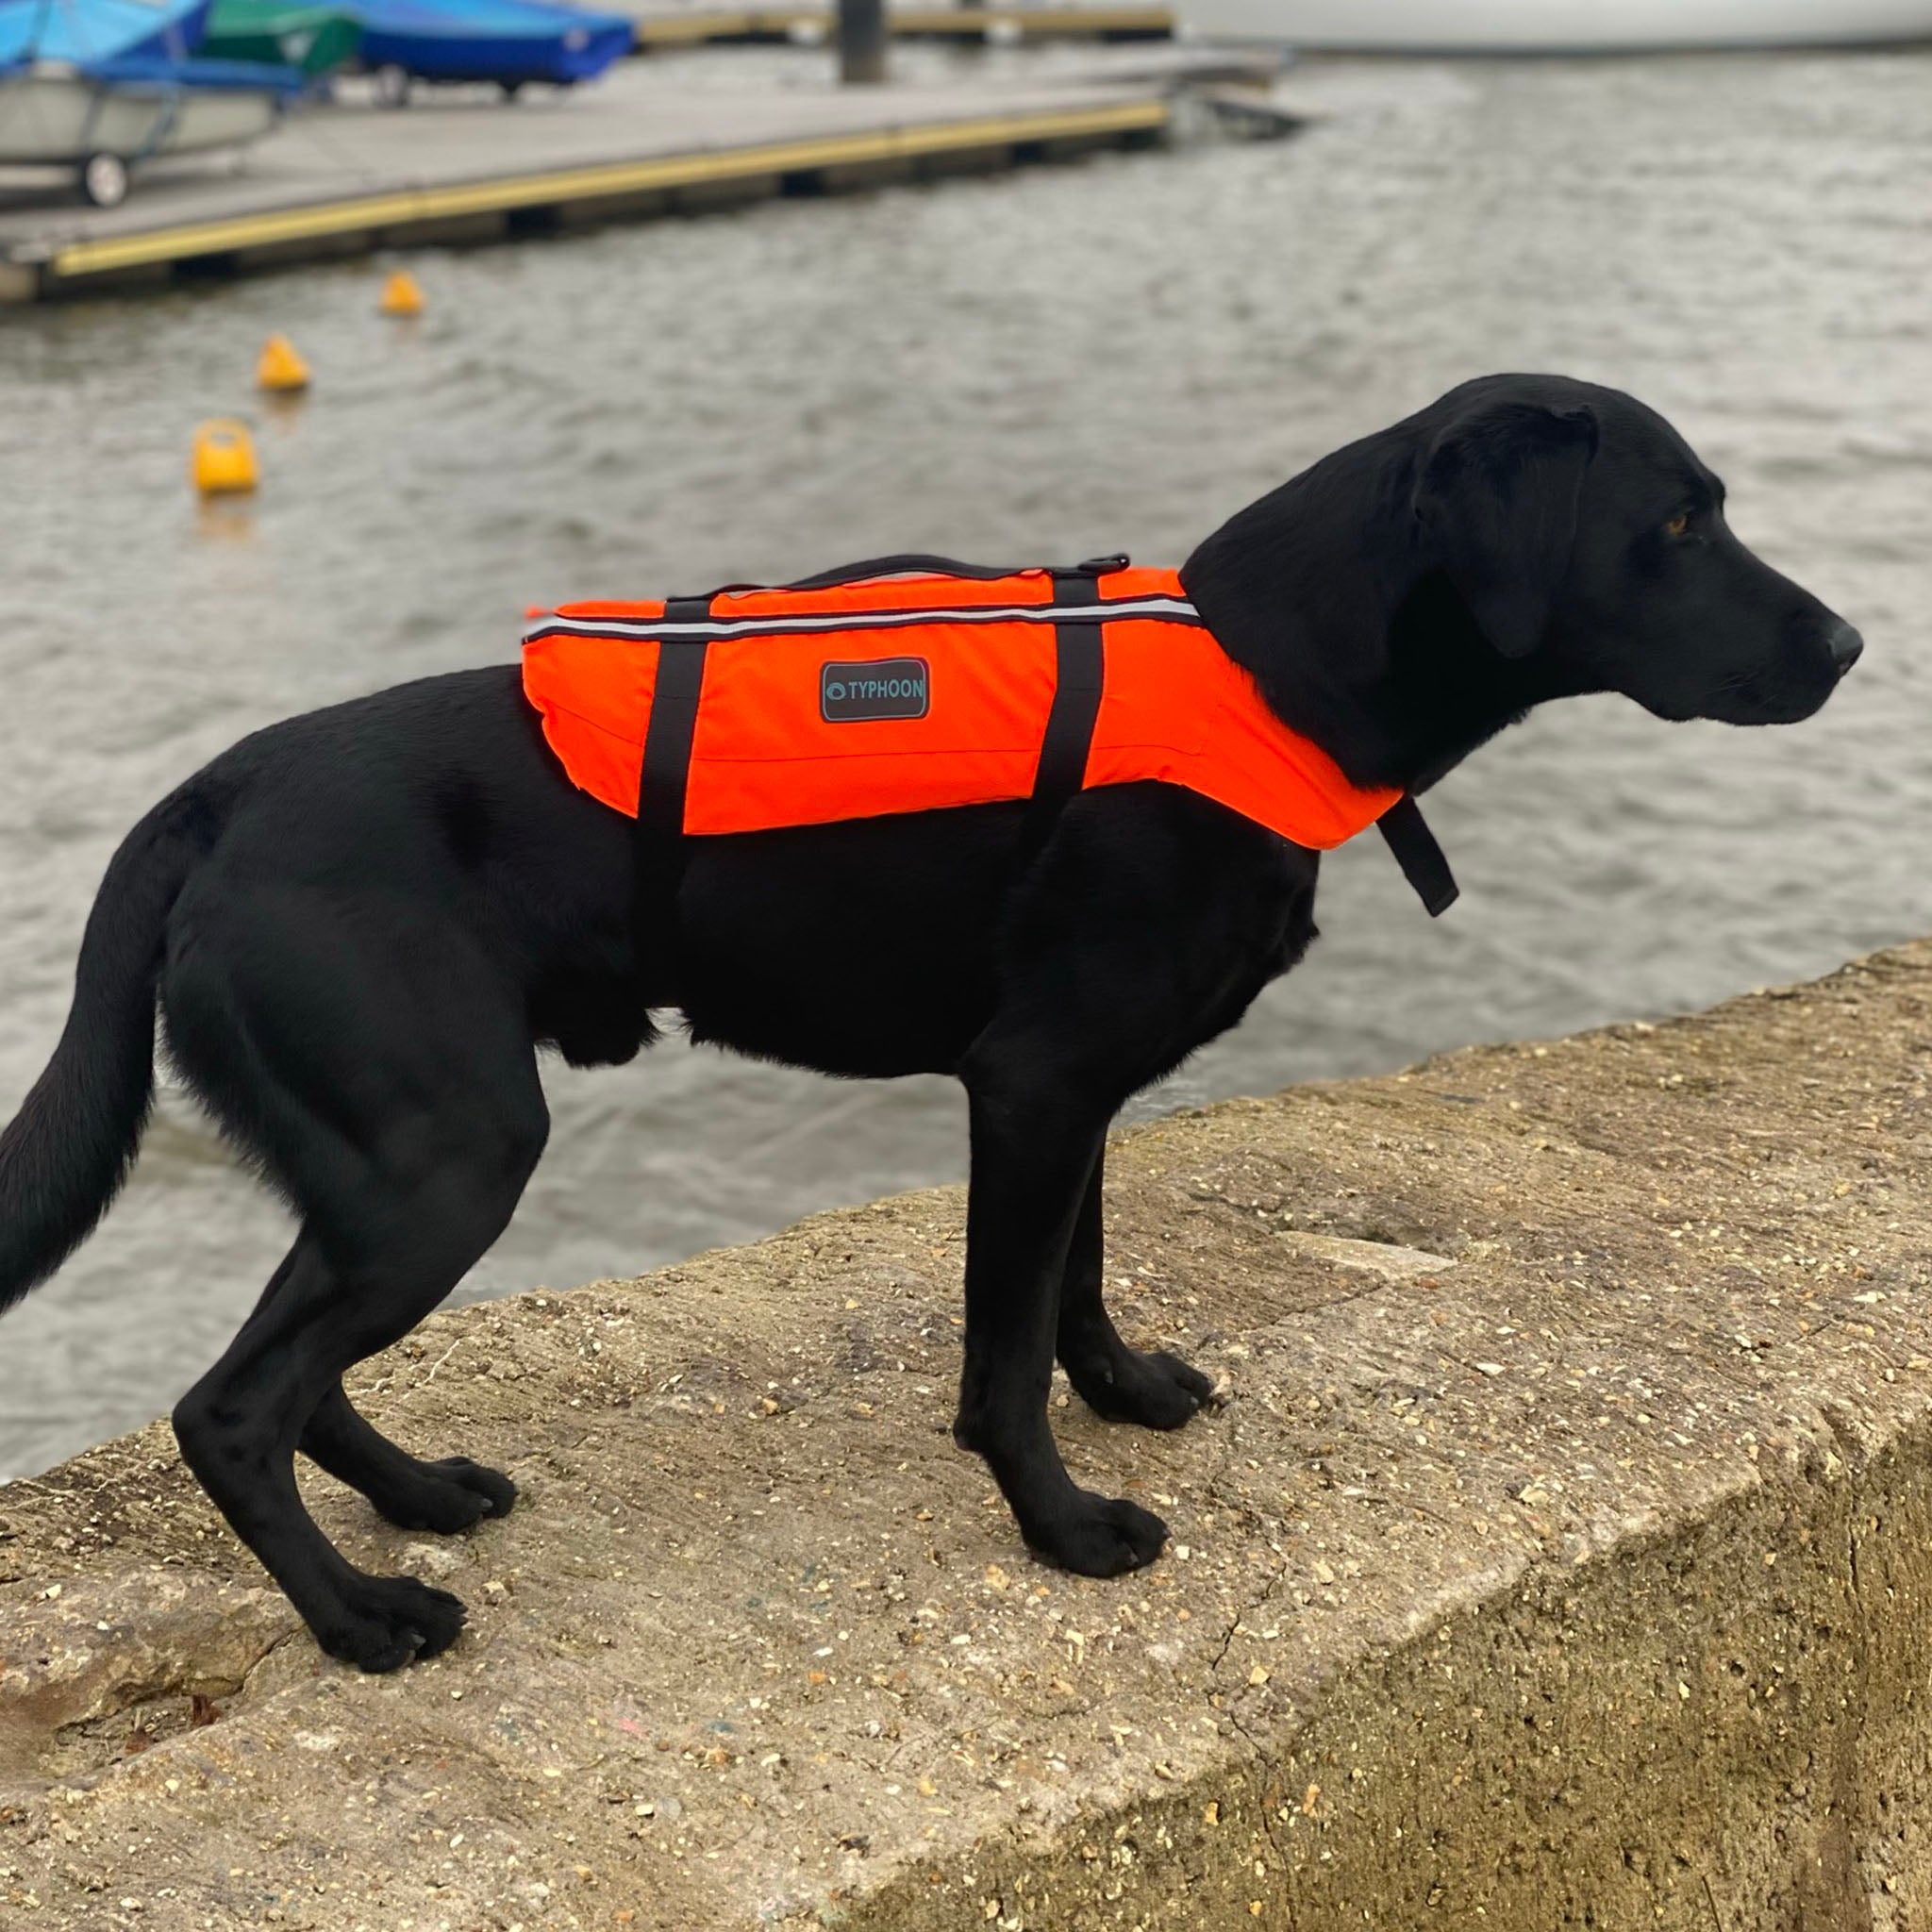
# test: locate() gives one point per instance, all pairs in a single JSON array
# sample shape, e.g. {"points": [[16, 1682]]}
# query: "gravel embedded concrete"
{"points": [[1560, 1559]]}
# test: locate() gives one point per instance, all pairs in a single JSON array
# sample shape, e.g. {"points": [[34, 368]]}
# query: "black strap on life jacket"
{"points": [[1079, 671], [673, 721], [664, 779], [1419, 856], [1079, 667]]}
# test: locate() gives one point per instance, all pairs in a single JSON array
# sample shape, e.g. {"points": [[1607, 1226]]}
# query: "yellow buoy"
{"points": [[401, 294], [224, 463], [281, 369]]}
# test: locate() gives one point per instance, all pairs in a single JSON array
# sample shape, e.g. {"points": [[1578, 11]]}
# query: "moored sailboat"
{"points": [[1560, 26]]}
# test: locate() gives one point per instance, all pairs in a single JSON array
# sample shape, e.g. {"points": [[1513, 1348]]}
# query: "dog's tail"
{"points": [[66, 1153]]}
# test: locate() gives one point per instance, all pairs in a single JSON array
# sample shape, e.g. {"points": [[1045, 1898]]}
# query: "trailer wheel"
{"points": [[103, 180], [391, 86], [511, 89]]}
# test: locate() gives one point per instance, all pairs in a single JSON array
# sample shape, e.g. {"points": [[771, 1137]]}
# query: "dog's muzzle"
{"points": [[1845, 646]]}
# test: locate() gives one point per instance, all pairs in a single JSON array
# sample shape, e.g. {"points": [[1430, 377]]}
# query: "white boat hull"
{"points": [[1559, 26], [54, 116]]}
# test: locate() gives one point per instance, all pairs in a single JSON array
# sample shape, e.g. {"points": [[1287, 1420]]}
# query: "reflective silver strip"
{"points": [[1176, 609]]}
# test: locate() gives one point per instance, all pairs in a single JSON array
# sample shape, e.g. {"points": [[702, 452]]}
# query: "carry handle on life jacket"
{"points": [[952, 566], [911, 560]]}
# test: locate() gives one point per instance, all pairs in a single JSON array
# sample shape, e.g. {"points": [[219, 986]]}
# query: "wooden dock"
{"points": [[348, 180]]}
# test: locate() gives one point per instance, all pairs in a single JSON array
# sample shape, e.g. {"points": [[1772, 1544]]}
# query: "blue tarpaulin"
{"points": [[505, 41], [84, 32]]}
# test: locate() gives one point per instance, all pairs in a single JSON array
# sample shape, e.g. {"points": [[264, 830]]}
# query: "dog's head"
{"points": [[1523, 538], [1574, 523]]}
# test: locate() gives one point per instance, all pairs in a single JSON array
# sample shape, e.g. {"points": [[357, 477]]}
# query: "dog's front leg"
{"points": [[1158, 1390], [1035, 1148]]}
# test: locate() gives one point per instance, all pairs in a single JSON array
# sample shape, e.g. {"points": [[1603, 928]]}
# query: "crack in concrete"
{"points": [[1262, 1758]]}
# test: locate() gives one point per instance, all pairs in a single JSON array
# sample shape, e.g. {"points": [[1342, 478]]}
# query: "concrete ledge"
{"points": [[1562, 1557]]}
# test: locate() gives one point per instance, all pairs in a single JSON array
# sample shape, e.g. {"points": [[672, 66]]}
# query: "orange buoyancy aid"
{"points": [[912, 684]]}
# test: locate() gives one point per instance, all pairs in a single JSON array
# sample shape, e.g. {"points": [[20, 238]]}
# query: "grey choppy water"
{"points": [[1048, 364]]}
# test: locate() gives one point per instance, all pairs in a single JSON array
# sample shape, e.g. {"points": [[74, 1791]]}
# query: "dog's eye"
{"points": [[1679, 523]]}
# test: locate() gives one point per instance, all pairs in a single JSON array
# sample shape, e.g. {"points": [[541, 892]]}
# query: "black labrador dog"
{"points": [[362, 924]]}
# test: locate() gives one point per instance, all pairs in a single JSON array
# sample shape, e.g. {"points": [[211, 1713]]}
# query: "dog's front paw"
{"points": [[383, 1623], [1157, 1391], [1106, 1536]]}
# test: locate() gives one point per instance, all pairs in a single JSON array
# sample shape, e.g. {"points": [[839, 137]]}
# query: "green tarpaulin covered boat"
{"points": [[317, 40]]}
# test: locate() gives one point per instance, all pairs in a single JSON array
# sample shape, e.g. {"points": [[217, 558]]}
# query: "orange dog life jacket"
{"points": [[912, 684]]}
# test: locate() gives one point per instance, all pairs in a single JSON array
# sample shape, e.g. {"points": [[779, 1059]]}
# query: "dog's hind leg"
{"points": [[239, 1425], [387, 1075], [445, 1495], [1120, 1384]]}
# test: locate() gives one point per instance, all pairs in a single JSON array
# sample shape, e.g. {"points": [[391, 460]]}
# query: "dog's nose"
{"points": [[1844, 644]]}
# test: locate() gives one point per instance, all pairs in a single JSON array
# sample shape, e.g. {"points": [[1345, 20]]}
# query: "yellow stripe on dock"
{"points": [[403, 208]]}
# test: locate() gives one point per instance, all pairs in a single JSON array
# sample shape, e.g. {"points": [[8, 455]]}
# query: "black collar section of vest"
{"points": [[1419, 856]]}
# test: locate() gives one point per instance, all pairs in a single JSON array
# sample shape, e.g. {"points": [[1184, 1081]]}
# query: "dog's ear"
{"points": [[1497, 502]]}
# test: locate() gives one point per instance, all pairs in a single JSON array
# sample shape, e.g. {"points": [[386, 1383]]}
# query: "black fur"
{"points": [[363, 923]]}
